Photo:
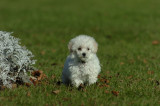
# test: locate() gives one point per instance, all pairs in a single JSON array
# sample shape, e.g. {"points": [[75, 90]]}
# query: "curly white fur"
{"points": [[82, 65]]}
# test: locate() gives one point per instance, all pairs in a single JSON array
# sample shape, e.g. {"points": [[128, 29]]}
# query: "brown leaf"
{"points": [[46, 105], [107, 72], [14, 86], [131, 61], [53, 50], [43, 52], [99, 76], [28, 84], [56, 92], [47, 94], [115, 93], [129, 77], [101, 86], [150, 72], [34, 81], [104, 80], [118, 74], [106, 92], [38, 74], [155, 42], [2, 87], [104, 85], [121, 63], [53, 76], [66, 99], [82, 104], [145, 61], [28, 94]]}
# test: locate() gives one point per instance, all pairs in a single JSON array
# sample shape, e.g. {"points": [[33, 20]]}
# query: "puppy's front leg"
{"points": [[92, 79], [77, 82]]}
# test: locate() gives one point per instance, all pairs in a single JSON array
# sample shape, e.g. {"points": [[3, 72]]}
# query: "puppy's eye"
{"points": [[88, 49], [79, 49]]}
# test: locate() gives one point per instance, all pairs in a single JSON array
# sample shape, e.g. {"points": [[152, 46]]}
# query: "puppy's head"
{"points": [[83, 47]]}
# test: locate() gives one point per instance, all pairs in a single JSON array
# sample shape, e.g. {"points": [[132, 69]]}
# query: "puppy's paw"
{"points": [[92, 80], [77, 83]]}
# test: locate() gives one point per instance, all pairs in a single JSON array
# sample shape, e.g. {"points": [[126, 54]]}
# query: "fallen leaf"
{"points": [[129, 77], [66, 99], [99, 76], [53, 76], [14, 86], [82, 104], [53, 50], [117, 74], [101, 86], [106, 92], [104, 80], [150, 72], [43, 52], [1, 99], [145, 61], [106, 85], [2, 87], [34, 81], [38, 74], [131, 61], [28, 94], [47, 94], [107, 72], [56, 92], [121, 63], [115, 93], [28, 84], [155, 42]]}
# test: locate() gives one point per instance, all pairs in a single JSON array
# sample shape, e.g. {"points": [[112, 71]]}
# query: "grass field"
{"points": [[124, 31]]}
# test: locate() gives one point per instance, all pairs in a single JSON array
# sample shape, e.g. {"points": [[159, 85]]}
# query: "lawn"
{"points": [[124, 31]]}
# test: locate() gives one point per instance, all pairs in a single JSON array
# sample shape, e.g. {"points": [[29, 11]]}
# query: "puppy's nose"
{"points": [[84, 54]]}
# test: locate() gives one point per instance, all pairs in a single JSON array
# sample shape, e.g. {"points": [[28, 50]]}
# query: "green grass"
{"points": [[124, 31]]}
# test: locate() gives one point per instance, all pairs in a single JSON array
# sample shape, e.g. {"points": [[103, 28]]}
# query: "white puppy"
{"points": [[82, 65]]}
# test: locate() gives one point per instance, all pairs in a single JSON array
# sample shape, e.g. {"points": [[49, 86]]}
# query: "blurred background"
{"points": [[46, 26], [128, 34]]}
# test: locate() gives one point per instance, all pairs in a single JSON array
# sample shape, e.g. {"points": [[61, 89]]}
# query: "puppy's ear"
{"points": [[95, 47], [70, 46]]}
